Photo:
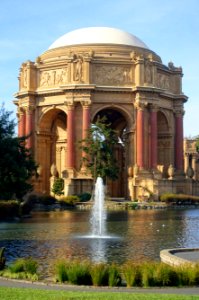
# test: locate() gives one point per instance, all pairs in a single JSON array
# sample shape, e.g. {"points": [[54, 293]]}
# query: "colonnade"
{"points": [[152, 150], [26, 124]]}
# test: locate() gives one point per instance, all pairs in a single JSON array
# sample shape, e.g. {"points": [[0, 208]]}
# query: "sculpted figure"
{"points": [[78, 68]]}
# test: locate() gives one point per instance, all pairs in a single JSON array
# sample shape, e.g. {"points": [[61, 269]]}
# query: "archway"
{"points": [[51, 144], [118, 122], [164, 142]]}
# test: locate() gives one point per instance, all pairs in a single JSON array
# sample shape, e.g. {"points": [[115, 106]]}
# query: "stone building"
{"points": [[191, 159], [100, 71]]}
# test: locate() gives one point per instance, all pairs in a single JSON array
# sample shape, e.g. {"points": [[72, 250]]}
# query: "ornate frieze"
{"points": [[163, 81], [112, 75], [53, 77]]}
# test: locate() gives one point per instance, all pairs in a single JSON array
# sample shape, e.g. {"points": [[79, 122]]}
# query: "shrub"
{"points": [[165, 275], [9, 209], [131, 273], [22, 268], [147, 274], [2, 258], [114, 277], [27, 265], [61, 271], [17, 266], [47, 200], [58, 186], [84, 197], [179, 198], [187, 275], [79, 273], [99, 274], [69, 200]]}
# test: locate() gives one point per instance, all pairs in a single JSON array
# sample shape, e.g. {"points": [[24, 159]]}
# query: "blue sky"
{"points": [[170, 28]]}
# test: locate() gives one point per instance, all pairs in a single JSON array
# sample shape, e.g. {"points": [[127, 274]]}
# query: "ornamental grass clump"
{"points": [[22, 268], [99, 274], [114, 277], [79, 273], [147, 274], [188, 275], [61, 267], [165, 275], [131, 274]]}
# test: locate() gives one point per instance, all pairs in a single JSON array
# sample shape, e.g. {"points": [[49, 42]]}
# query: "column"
{"points": [[194, 159], [140, 136], [70, 160], [29, 127], [21, 123], [86, 120], [85, 126], [153, 143], [179, 141]]}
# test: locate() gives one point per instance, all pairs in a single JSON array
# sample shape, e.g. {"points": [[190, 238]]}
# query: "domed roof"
{"points": [[98, 35]]}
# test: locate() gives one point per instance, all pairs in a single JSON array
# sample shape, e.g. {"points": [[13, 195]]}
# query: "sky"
{"points": [[170, 28]]}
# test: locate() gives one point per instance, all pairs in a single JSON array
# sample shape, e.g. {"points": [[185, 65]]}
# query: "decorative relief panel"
{"points": [[53, 77], [112, 75], [163, 81]]}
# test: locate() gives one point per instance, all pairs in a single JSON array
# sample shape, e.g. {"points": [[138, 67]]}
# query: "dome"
{"points": [[98, 35]]}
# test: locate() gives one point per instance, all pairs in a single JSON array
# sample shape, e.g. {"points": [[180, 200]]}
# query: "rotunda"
{"points": [[101, 71]]}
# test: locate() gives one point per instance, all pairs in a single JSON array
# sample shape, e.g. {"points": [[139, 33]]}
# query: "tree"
{"points": [[58, 186], [98, 149], [16, 162]]}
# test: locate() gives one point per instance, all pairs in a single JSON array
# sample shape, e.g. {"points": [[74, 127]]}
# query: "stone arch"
{"points": [[121, 122], [126, 114], [164, 157], [51, 143]]}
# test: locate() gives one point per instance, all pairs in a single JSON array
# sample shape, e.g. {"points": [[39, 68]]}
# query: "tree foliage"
{"points": [[16, 162], [58, 186], [98, 149]]}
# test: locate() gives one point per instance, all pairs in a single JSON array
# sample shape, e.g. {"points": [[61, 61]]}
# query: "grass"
{"points": [[22, 268], [35, 294]]}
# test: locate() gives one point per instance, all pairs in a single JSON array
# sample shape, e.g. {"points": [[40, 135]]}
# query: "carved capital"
{"points": [[154, 107], [179, 112], [30, 109], [86, 103]]}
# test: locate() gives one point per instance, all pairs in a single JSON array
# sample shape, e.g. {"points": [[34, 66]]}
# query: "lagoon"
{"points": [[133, 235]]}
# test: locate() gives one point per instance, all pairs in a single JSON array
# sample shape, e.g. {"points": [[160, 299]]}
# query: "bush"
{"points": [[9, 209], [27, 265], [69, 200], [79, 273], [61, 271], [58, 186], [187, 275], [131, 273], [114, 277], [179, 198], [99, 274], [165, 275], [147, 274], [22, 269], [75, 272], [2, 258], [47, 200], [84, 197]]}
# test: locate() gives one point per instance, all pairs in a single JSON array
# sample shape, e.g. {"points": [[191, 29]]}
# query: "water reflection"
{"points": [[48, 236]]}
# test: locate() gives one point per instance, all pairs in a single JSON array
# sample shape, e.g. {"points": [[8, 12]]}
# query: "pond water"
{"points": [[133, 235]]}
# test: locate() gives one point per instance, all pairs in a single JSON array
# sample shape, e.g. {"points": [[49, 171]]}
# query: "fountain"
{"points": [[98, 214]]}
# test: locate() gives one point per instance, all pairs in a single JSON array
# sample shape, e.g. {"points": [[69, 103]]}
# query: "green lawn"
{"points": [[32, 294]]}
